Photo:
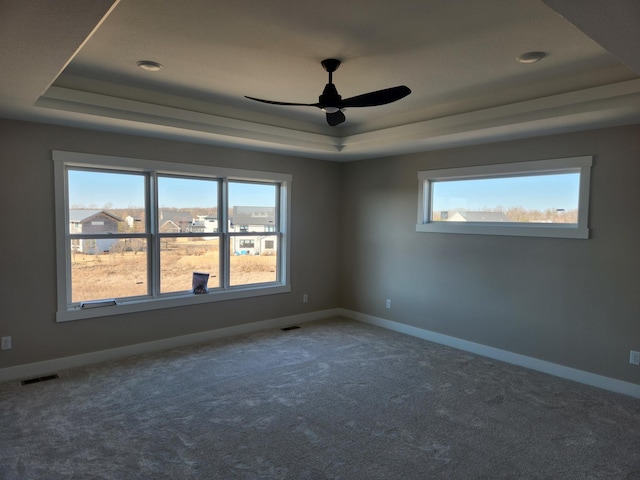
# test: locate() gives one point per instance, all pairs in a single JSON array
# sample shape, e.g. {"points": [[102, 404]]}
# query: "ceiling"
{"points": [[74, 62]]}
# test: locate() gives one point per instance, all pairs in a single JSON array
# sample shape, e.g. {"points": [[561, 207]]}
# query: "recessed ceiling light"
{"points": [[531, 57], [149, 66]]}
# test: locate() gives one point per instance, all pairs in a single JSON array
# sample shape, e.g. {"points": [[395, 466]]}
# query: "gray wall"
{"points": [[27, 244], [571, 302], [354, 244]]}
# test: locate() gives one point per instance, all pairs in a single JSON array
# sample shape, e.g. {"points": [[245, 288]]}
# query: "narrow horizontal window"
{"points": [[545, 198], [135, 235]]}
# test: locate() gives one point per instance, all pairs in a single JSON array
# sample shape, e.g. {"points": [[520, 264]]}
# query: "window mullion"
{"points": [[153, 272], [223, 214]]}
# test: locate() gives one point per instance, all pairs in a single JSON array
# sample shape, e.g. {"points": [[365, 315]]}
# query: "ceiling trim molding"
{"points": [[597, 102], [614, 104], [150, 114]]}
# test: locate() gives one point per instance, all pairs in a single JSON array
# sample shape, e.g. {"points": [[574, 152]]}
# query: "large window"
{"points": [[136, 235], [545, 198]]}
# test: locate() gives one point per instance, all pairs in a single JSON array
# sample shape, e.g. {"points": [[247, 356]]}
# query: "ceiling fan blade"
{"points": [[335, 118], [331, 101], [379, 97], [284, 103]]}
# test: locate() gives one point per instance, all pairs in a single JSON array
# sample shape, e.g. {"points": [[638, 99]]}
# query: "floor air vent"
{"points": [[39, 379], [286, 329]]}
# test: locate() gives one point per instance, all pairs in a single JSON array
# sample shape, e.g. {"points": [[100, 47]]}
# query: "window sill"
{"points": [[515, 230], [181, 300]]}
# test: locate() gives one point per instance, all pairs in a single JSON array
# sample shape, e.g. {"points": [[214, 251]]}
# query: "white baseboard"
{"points": [[38, 369], [50, 366], [561, 371]]}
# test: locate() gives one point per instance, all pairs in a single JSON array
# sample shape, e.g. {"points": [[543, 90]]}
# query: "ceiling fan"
{"points": [[332, 103]]}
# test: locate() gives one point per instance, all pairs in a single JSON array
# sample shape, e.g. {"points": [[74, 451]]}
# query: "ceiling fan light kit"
{"points": [[332, 103]]}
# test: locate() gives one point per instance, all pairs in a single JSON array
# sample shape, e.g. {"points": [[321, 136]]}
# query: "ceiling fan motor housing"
{"points": [[330, 97]]}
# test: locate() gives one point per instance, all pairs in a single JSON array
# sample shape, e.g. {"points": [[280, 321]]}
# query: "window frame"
{"points": [[581, 165], [67, 311]]}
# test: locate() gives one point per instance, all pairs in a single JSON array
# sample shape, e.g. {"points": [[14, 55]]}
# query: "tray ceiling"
{"points": [[75, 63]]}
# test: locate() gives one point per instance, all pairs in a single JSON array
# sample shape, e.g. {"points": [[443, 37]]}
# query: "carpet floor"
{"points": [[334, 399]]}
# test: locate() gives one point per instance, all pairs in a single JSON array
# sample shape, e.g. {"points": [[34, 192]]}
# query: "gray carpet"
{"points": [[334, 399]]}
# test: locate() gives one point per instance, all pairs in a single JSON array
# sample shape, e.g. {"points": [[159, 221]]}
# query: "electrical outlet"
{"points": [[305, 298], [6, 343], [634, 357], [388, 303]]}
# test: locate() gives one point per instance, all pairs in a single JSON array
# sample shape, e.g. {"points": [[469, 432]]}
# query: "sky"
{"points": [[539, 192], [91, 189]]}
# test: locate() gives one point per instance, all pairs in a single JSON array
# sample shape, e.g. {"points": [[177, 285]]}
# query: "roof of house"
{"points": [[471, 216], [83, 214], [169, 226]]}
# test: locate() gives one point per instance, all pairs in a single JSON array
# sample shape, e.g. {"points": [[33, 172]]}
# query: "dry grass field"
{"points": [[124, 274]]}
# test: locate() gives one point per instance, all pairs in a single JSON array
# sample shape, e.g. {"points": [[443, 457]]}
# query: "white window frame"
{"points": [[581, 165], [68, 311]]}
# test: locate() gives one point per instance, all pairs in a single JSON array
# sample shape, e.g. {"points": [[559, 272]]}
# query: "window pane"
{"points": [[108, 268], [187, 205], [252, 207], [253, 264], [103, 203], [548, 198], [180, 257]]}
